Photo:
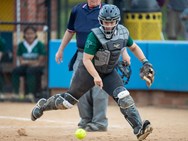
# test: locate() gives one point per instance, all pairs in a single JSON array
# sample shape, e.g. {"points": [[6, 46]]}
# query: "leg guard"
{"points": [[58, 101], [128, 108]]}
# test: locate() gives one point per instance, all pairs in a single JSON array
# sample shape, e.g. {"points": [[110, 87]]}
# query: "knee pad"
{"points": [[124, 98], [65, 101]]}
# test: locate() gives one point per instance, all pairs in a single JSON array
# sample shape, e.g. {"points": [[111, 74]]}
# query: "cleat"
{"points": [[37, 111], [95, 128], [145, 131]]}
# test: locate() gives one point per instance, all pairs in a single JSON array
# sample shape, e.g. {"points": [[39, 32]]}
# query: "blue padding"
{"points": [[59, 75], [169, 59]]}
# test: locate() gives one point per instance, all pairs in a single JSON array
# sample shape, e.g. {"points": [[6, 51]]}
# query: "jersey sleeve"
{"points": [[72, 18], [92, 44], [130, 41]]}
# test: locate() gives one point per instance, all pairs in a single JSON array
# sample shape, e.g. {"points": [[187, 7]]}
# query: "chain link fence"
{"points": [[15, 15]]}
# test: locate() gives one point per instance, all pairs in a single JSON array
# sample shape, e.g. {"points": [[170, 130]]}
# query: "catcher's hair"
{"points": [[32, 28]]}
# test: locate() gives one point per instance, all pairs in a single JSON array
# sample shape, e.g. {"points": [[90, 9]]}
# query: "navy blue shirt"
{"points": [[82, 20]]}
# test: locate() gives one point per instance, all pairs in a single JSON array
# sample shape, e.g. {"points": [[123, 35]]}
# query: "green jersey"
{"points": [[36, 51], [92, 44]]}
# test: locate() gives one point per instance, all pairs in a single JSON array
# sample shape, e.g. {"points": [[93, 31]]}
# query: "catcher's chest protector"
{"points": [[108, 55]]}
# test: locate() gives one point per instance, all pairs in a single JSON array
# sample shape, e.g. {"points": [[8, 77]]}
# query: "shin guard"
{"points": [[132, 116], [128, 108], [60, 101]]}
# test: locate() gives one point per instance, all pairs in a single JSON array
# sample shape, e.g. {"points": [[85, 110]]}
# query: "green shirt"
{"points": [[92, 44], [39, 49]]}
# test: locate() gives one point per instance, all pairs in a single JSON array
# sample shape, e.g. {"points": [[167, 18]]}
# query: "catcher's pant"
{"points": [[82, 82], [113, 85], [92, 105]]}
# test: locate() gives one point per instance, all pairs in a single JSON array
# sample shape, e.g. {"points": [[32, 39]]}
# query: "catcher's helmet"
{"points": [[109, 13]]}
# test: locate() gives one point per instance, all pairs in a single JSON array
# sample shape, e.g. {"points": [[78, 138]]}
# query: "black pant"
{"points": [[83, 81]]}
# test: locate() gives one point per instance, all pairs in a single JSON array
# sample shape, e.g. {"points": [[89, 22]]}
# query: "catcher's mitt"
{"points": [[124, 71], [147, 73]]}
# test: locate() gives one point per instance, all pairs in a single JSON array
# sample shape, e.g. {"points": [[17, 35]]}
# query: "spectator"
{"points": [[184, 18], [161, 2], [174, 26], [2, 49], [31, 54], [144, 6]]}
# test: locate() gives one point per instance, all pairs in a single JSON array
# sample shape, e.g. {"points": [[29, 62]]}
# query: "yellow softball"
{"points": [[80, 133]]}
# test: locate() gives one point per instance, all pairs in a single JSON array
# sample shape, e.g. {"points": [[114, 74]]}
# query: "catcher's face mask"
{"points": [[109, 17], [108, 27]]}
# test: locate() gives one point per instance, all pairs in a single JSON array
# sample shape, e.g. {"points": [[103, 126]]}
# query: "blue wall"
{"points": [[169, 59]]}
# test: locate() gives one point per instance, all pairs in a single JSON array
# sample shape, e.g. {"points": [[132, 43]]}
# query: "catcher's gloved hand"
{"points": [[147, 73], [124, 71]]}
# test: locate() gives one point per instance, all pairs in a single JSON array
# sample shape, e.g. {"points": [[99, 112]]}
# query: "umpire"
{"points": [[93, 105]]}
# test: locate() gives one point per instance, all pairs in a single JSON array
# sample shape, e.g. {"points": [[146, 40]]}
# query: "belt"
{"points": [[80, 50]]}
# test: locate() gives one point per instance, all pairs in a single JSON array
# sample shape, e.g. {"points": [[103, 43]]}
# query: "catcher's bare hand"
{"points": [[98, 82], [147, 73]]}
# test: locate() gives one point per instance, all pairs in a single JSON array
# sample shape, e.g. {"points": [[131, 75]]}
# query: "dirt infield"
{"points": [[15, 124]]}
